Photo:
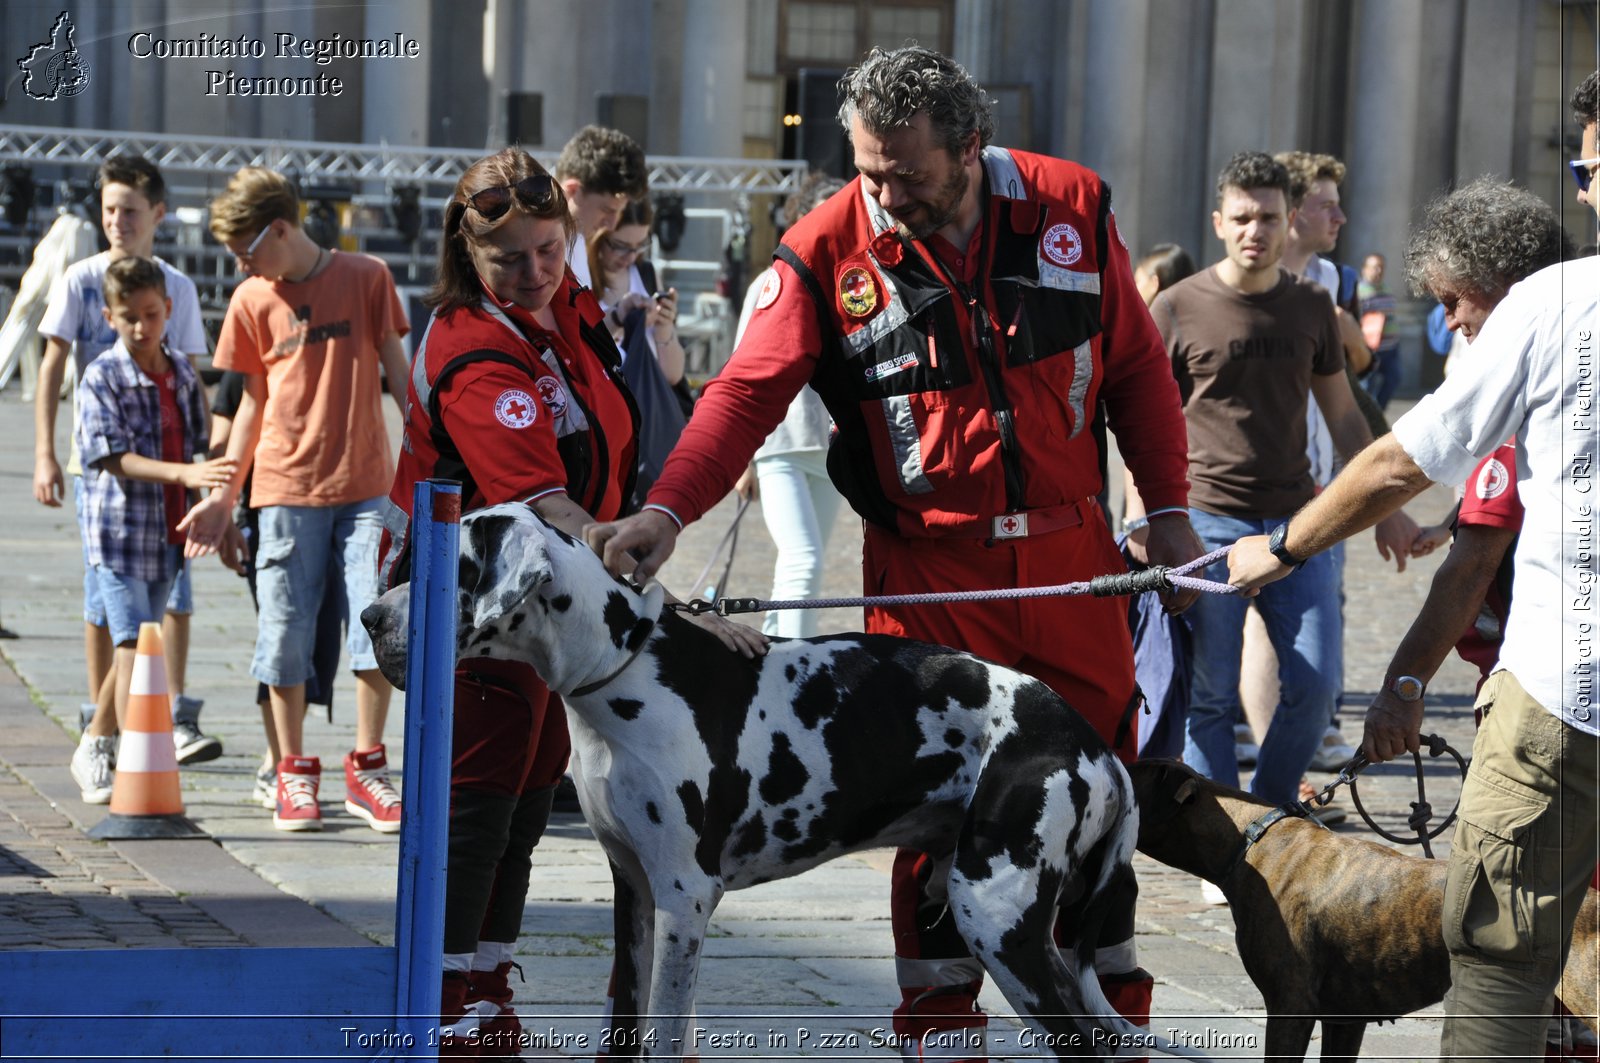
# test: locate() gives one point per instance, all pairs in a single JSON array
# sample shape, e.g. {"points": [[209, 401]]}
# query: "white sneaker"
{"points": [[1212, 893], [91, 768], [1334, 752], [266, 788], [1245, 750]]}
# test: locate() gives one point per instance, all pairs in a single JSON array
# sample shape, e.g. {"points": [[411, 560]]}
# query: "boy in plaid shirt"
{"points": [[141, 418]]}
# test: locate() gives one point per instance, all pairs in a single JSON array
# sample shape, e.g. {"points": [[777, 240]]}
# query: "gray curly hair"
{"points": [[1483, 238], [889, 88]]}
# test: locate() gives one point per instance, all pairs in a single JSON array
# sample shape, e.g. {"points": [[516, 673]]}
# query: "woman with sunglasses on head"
{"points": [[515, 391]]}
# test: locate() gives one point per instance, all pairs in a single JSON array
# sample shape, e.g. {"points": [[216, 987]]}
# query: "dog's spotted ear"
{"points": [[503, 561]]}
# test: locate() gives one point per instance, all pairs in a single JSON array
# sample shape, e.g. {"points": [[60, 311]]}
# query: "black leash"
{"points": [[1421, 810]]}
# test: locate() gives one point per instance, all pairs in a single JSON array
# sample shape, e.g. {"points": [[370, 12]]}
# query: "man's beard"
{"points": [[943, 210]]}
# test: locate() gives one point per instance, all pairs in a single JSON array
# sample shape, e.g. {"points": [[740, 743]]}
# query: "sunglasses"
{"points": [[617, 247], [1583, 171], [250, 252], [536, 193]]}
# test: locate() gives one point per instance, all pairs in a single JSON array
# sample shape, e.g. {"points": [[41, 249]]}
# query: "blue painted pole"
{"points": [[425, 790]]}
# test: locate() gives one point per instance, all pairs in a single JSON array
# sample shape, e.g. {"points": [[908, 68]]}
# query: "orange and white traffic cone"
{"points": [[145, 802]]}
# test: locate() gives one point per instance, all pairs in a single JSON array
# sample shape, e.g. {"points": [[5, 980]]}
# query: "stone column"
{"points": [[711, 111], [394, 101]]}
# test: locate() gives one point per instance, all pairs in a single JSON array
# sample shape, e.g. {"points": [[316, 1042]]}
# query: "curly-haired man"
{"points": [[1525, 846]]}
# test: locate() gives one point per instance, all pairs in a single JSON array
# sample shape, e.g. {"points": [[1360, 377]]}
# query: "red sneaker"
{"points": [[298, 779], [499, 1030], [368, 791]]}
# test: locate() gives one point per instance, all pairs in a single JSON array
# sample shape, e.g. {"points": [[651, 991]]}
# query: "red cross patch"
{"points": [[515, 408], [1062, 244]]}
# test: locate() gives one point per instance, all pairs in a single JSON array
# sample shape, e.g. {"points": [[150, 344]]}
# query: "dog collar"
{"points": [[1261, 824], [590, 688]]}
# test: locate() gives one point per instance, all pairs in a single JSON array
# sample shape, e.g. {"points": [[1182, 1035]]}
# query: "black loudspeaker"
{"points": [[820, 140], [625, 113], [524, 118]]}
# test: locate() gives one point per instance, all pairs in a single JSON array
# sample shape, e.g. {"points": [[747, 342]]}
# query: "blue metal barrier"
{"points": [[376, 1003]]}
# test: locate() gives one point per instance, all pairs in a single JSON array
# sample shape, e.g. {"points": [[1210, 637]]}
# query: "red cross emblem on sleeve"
{"points": [[1062, 245], [515, 409]]}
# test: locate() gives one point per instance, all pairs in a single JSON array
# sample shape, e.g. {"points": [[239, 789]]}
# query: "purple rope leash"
{"points": [[1156, 578]]}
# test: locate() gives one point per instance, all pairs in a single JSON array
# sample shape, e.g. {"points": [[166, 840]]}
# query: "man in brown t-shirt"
{"points": [[1250, 344]]}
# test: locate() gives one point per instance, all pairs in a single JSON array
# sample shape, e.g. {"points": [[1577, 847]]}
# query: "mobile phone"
{"points": [[661, 297]]}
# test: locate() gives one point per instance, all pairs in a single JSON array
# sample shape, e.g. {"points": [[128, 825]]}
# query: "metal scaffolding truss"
{"points": [[332, 162]]}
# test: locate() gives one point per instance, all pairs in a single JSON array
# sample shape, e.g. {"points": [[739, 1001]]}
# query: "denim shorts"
{"points": [[129, 602], [180, 599], [299, 546]]}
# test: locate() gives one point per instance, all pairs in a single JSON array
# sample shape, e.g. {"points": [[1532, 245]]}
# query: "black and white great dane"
{"points": [[701, 771]]}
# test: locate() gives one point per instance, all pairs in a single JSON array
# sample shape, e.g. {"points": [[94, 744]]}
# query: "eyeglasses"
{"points": [[250, 252], [1583, 171], [617, 247], [537, 193]]}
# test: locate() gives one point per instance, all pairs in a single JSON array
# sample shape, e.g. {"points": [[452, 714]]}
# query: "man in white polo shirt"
{"points": [[1526, 844]]}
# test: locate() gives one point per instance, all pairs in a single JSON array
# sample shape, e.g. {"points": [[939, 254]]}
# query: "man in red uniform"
{"points": [[963, 310]]}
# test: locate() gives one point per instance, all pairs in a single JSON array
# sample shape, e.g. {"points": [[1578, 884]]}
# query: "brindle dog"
{"points": [[1330, 927]]}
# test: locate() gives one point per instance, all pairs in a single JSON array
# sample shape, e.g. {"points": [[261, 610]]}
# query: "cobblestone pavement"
{"points": [[788, 962]]}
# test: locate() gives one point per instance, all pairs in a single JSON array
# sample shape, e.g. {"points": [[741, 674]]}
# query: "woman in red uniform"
{"points": [[517, 392]]}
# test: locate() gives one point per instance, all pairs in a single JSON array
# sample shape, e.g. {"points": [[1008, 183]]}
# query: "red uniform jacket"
{"points": [[954, 405], [515, 412]]}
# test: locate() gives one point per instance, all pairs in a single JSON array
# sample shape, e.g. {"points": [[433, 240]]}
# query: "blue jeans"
{"points": [[1384, 378], [1301, 613], [180, 598], [298, 544], [129, 602]]}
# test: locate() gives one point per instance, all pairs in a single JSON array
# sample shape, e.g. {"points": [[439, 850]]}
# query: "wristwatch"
{"points": [[1281, 552], [1407, 687]]}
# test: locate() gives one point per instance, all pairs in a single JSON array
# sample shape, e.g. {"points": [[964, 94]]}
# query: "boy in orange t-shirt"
{"points": [[309, 329]]}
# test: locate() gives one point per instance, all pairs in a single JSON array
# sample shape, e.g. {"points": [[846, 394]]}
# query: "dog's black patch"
{"points": [[485, 635], [517, 619], [694, 806], [964, 680], [751, 837], [641, 631], [619, 617], [787, 827], [786, 775], [719, 686], [561, 602], [626, 708], [874, 687], [654, 813], [1048, 736], [817, 698], [954, 739], [789, 673]]}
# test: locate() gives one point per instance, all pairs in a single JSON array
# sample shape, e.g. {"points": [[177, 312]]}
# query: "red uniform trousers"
{"points": [[509, 748], [1079, 646]]}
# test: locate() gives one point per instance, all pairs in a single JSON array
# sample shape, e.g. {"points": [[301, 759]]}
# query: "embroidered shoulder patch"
{"points": [[1493, 480], [858, 292], [1062, 244], [769, 290], [554, 396], [515, 408]]}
